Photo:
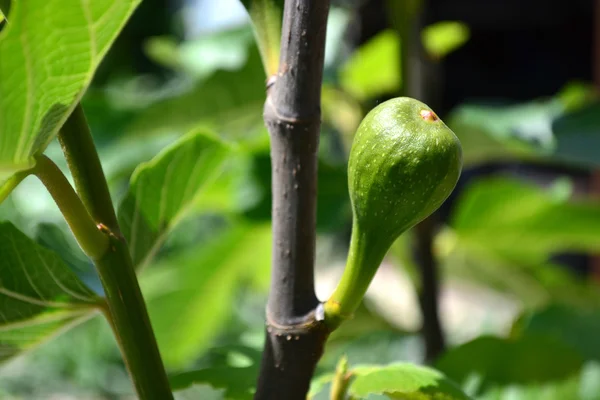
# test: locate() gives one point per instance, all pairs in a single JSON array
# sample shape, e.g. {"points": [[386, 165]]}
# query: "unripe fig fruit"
{"points": [[404, 163]]}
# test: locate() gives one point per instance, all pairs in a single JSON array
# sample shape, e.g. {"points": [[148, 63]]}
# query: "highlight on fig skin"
{"points": [[428, 115]]}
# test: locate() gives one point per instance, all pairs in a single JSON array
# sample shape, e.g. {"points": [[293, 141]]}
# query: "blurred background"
{"points": [[506, 275]]}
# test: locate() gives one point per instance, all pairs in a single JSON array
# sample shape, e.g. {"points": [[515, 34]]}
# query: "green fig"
{"points": [[404, 163]]}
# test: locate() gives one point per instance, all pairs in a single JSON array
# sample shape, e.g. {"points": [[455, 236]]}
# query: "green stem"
{"points": [[364, 257], [127, 311], [79, 149], [93, 242], [129, 319], [341, 381], [12, 183]]}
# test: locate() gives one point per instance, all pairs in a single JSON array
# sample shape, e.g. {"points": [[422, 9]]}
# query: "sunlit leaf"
{"points": [[442, 38], [39, 294], [533, 283], [403, 381], [505, 233], [164, 189], [230, 102], [266, 16], [48, 54], [373, 69], [512, 217], [226, 50], [190, 295]]}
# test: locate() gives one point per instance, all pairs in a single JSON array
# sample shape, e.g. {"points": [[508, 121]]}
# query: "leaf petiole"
{"points": [[92, 241]]}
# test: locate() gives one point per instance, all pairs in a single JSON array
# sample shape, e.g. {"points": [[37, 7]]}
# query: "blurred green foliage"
{"points": [[205, 246]]}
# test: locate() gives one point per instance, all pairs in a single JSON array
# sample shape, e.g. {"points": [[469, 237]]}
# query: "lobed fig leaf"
{"points": [[404, 163]]}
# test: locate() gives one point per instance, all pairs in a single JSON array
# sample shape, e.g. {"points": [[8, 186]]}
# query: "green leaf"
{"points": [[583, 386], [163, 190], [374, 69], [504, 233], [234, 381], [39, 294], [403, 381], [577, 137], [514, 218], [266, 16], [333, 208], [533, 283], [578, 328], [562, 129], [83, 360], [48, 55], [227, 50], [502, 132], [442, 38], [204, 392], [229, 102], [496, 361], [190, 296], [237, 383], [4, 8]]}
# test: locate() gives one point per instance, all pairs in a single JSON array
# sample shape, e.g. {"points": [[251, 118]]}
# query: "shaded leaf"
{"points": [[583, 386], [496, 361], [235, 382], [39, 294], [320, 386], [490, 133], [561, 129], [164, 189], [4, 7], [48, 55], [333, 202], [190, 296], [82, 359], [577, 327], [238, 383], [376, 345], [403, 381], [578, 136]]}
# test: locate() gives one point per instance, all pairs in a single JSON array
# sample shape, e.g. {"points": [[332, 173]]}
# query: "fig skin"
{"points": [[404, 163]]}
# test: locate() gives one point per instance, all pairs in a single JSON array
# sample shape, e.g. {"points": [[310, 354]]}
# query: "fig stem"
{"points": [[364, 257]]}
